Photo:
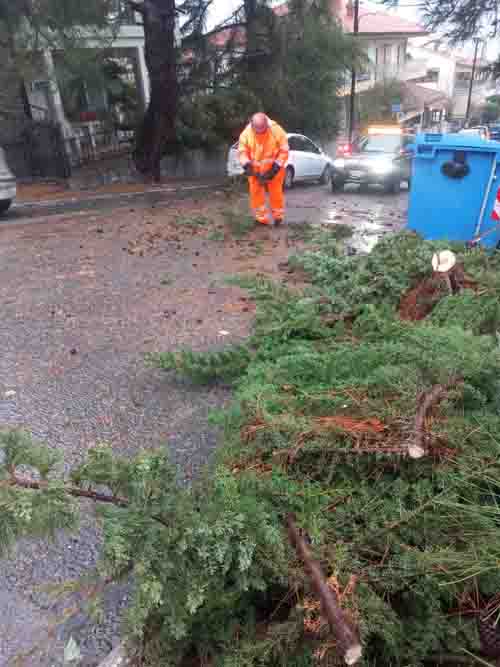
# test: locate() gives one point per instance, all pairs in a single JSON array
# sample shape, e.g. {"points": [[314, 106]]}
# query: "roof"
{"points": [[435, 47], [374, 22], [383, 23], [417, 97], [469, 62], [222, 37]]}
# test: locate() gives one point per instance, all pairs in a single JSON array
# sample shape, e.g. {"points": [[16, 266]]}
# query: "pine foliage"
{"points": [[323, 417], [328, 398]]}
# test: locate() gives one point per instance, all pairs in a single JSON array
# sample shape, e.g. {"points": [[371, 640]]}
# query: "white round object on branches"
{"points": [[444, 261]]}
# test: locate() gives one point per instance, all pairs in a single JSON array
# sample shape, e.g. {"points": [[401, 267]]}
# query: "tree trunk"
{"points": [[251, 14], [158, 126]]}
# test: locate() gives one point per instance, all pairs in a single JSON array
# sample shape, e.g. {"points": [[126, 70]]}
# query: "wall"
{"points": [[448, 66], [191, 165], [480, 91], [392, 69], [425, 59]]}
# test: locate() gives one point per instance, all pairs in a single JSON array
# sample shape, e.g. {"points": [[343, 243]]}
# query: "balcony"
{"points": [[388, 71], [123, 13]]}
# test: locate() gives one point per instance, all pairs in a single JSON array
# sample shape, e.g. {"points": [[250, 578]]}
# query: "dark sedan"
{"points": [[383, 157]]}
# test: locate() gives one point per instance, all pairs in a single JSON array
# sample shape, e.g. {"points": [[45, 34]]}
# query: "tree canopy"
{"points": [[29, 27], [459, 20], [290, 66]]}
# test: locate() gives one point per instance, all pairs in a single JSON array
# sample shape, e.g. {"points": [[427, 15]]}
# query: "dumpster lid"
{"points": [[457, 141]]}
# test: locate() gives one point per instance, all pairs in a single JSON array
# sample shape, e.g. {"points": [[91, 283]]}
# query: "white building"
{"points": [[384, 37], [437, 67], [125, 46]]}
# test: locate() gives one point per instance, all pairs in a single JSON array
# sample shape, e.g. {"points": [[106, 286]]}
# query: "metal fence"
{"points": [[38, 149], [91, 145]]}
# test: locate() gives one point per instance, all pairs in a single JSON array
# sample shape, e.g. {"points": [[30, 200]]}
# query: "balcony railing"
{"points": [[122, 12], [388, 71]]}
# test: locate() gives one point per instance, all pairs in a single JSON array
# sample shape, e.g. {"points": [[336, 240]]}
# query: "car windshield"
{"points": [[381, 143]]}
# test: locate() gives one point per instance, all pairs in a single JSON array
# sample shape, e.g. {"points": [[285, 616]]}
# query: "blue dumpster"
{"points": [[455, 193]]}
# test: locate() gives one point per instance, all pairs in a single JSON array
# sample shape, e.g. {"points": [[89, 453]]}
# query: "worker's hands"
{"points": [[271, 173], [248, 169]]}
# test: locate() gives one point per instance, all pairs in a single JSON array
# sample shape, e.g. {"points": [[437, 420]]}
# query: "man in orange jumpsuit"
{"points": [[263, 150]]}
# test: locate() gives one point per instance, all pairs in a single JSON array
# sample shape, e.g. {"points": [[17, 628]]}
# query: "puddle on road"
{"points": [[368, 231], [365, 237]]}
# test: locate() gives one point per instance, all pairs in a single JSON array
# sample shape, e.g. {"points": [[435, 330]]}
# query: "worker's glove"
{"points": [[248, 170], [271, 173]]}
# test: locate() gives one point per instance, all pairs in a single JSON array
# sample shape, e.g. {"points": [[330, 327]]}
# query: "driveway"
{"points": [[84, 296]]}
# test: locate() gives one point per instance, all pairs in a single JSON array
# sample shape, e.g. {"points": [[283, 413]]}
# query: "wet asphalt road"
{"points": [[78, 314]]}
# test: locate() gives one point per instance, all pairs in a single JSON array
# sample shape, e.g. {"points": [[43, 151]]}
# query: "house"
{"points": [[384, 37], [436, 67], [45, 94], [423, 107]]}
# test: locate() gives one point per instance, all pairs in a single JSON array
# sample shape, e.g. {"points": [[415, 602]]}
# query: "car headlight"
{"points": [[382, 166], [339, 163]]}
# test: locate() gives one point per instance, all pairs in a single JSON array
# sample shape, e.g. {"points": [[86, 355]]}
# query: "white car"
{"points": [[7, 184], [306, 162]]}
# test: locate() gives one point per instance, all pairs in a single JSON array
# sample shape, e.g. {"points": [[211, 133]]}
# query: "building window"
{"points": [[401, 55], [383, 55], [382, 60]]}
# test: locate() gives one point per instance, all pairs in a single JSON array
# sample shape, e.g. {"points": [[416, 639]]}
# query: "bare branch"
{"points": [[338, 620], [15, 480], [416, 444]]}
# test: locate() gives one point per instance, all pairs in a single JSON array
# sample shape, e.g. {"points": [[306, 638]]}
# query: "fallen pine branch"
{"points": [[341, 626], [398, 452], [15, 480], [416, 443]]}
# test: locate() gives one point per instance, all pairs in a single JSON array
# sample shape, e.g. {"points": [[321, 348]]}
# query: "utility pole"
{"points": [[477, 40], [353, 75]]}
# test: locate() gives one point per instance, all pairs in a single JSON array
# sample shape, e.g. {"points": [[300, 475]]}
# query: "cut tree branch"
{"points": [[15, 480], [340, 624], [416, 444]]}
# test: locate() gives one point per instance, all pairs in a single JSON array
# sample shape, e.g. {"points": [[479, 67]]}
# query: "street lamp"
{"points": [[477, 41]]}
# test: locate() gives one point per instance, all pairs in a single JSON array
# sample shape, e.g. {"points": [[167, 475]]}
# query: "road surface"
{"points": [[86, 290]]}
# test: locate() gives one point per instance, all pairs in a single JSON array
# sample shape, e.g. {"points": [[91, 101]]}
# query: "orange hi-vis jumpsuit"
{"points": [[262, 151]]}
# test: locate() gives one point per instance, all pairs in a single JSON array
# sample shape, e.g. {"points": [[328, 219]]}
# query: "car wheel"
{"points": [[5, 205], [337, 185], [289, 178], [326, 176]]}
